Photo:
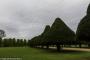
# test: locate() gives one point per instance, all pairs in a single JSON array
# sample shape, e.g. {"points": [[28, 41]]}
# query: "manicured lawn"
{"points": [[43, 54]]}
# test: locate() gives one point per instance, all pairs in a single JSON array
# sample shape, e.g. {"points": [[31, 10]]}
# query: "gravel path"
{"points": [[74, 49], [77, 49]]}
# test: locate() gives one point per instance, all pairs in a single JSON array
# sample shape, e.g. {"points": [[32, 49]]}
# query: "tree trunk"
{"points": [[88, 45], [80, 45], [42, 46], [58, 48], [47, 46]]}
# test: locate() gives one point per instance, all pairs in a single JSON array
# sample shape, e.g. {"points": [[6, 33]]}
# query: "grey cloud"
{"points": [[27, 18]]}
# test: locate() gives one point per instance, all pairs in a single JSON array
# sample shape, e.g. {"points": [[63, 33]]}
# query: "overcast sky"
{"points": [[27, 18]]}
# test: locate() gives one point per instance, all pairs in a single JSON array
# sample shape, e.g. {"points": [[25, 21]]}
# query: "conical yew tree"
{"points": [[39, 40], [83, 30], [60, 33], [44, 40]]}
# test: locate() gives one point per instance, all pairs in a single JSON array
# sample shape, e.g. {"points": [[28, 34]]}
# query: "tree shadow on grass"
{"points": [[86, 58]]}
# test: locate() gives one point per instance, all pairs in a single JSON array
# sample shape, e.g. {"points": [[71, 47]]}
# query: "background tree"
{"points": [[25, 42], [2, 34], [5, 43], [1, 42], [14, 42]]}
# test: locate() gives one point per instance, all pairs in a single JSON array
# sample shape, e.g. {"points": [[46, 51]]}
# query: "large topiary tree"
{"points": [[83, 30], [60, 33]]}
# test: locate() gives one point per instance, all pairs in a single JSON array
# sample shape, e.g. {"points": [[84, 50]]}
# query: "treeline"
{"points": [[60, 35], [12, 42]]}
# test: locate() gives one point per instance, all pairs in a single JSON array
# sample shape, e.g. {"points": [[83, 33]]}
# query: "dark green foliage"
{"points": [[20, 43], [2, 34], [0, 42], [25, 42], [40, 40], [83, 30], [12, 42], [44, 36], [5, 43], [29, 43], [58, 34], [47, 28], [88, 10]]}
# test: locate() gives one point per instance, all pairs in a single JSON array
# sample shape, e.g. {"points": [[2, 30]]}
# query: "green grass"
{"points": [[43, 54]]}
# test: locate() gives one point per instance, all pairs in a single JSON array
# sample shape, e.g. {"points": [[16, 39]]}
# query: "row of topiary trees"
{"points": [[60, 34]]}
